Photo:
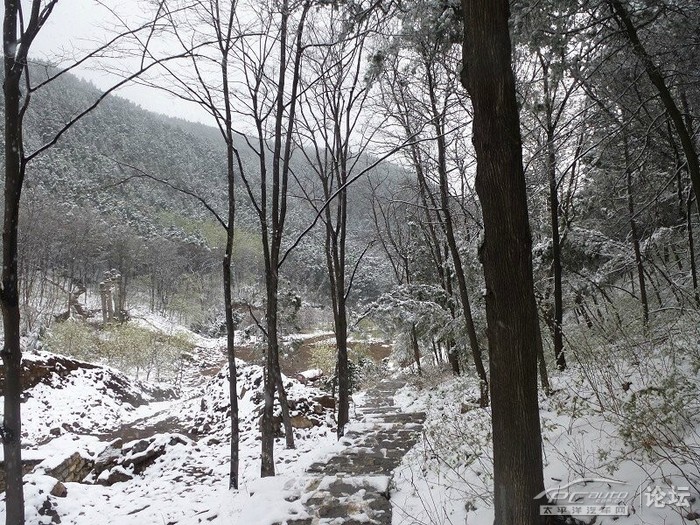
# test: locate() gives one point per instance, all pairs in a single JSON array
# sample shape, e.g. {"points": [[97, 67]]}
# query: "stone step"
{"points": [[352, 488]]}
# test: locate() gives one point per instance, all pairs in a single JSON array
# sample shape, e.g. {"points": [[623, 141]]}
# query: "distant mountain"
{"points": [[82, 175], [82, 168]]}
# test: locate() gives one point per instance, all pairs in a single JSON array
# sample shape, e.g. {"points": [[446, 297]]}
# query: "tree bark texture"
{"points": [[9, 294], [511, 311]]}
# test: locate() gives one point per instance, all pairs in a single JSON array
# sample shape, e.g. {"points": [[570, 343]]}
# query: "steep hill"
{"points": [[84, 212]]}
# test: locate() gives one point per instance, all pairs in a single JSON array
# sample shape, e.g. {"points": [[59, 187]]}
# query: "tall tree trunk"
{"points": [[633, 229], [556, 259], [227, 278], [335, 247], [9, 294], [272, 228], [267, 461], [429, 202], [341, 311], [448, 226], [273, 382], [511, 310], [558, 313]]}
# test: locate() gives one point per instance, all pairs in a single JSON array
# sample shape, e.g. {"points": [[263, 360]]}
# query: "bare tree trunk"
{"points": [[272, 227], [284, 407], [542, 365], [556, 260], [556, 248], [9, 294], [454, 249], [226, 269], [633, 230], [341, 330], [511, 310], [267, 461], [453, 358], [416, 349], [691, 247]]}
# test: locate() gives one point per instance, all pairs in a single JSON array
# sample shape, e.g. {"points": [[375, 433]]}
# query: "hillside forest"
{"points": [[456, 238]]}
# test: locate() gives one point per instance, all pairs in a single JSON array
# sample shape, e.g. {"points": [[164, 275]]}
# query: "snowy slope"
{"points": [[101, 415]]}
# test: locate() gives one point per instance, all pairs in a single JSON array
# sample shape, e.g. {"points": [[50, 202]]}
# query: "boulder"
{"points": [[301, 422], [132, 458], [59, 490], [326, 401], [116, 475]]}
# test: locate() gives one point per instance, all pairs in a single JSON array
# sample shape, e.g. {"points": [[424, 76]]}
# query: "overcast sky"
{"points": [[76, 25]]}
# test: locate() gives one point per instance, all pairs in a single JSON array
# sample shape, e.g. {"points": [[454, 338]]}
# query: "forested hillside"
{"points": [[110, 195]]}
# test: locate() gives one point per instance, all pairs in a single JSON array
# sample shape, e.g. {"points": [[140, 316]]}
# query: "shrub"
{"points": [[72, 338]]}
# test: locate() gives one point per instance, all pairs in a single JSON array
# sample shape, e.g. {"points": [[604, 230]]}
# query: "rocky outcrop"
{"points": [[51, 369], [308, 406], [47, 370], [119, 462], [72, 469]]}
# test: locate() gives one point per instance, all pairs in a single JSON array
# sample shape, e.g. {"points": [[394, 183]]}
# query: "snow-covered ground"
{"points": [[447, 477], [632, 422], [96, 411]]}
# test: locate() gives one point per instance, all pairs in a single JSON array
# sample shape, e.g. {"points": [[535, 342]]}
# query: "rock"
{"points": [[108, 458], [140, 446], [116, 475], [311, 375], [56, 431], [176, 439], [47, 509], [466, 407], [135, 457], [72, 469], [326, 401], [301, 422], [59, 490]]}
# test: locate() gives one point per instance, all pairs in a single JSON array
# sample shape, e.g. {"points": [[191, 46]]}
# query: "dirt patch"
{"points": [[298, 356], [145, 429]]}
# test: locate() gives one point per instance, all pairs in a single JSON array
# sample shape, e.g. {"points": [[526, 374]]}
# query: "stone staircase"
{"points": [[352, 487]]}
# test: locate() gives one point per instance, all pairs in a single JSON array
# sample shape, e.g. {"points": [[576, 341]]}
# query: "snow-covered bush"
{"points": [[644, 381], [131, 348], [363, 369], [450, 472]]}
